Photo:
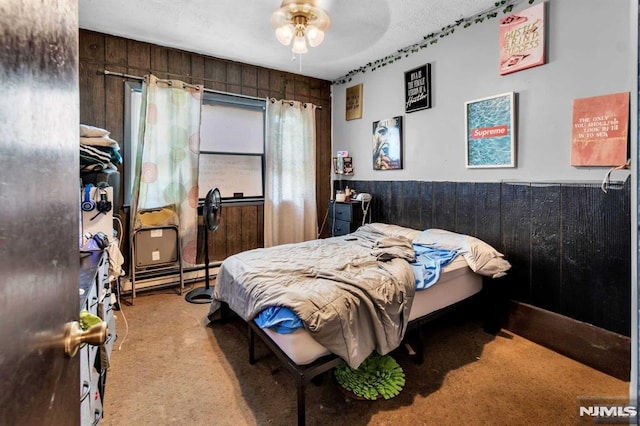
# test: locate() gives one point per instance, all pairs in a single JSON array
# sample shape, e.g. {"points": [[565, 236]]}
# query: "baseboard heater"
{"points": [[165, 279]]}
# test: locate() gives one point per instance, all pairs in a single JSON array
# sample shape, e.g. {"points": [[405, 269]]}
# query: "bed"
{"points": [[323, 302]]}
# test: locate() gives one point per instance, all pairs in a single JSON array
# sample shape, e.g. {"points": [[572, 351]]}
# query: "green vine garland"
{"points": [[433, 38], [377, 376]]}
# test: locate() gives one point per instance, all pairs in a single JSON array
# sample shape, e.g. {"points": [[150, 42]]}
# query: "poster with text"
{"points": [[417, 88], [600, 130], [490, 131], [353, 104], [522, 40]]}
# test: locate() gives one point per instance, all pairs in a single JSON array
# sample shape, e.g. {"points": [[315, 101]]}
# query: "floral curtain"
{"points": [[290, 214], [167, 159]]}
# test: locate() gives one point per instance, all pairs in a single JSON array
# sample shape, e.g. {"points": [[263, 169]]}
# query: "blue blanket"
{"points": [[426, 269], [429, 263]]}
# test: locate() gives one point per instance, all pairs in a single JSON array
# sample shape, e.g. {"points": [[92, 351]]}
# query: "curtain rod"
{"points": [[204, 89], [290, 102]]}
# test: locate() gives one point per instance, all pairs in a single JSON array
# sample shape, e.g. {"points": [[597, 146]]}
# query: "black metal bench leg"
{"points": [[419, 357], [252, 354], [300, 383]]}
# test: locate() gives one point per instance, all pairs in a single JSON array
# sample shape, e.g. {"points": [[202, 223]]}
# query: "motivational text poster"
{"points": [[600, 130]]}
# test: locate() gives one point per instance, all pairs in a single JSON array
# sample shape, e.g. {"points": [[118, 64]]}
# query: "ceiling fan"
{"points": [[211, 214]]}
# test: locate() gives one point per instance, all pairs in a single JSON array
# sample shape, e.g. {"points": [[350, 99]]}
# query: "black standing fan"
{"points": [[211, 217]]}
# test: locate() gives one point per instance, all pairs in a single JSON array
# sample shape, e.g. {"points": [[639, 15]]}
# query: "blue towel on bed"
{"points": [[429, 263], [426, 268], [279, 318]]}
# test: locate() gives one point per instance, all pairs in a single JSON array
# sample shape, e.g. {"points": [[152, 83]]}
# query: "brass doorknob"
{"points": [[74, 336]]}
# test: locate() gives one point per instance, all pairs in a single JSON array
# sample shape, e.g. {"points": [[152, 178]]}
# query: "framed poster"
{"points": [[387, 144], [353, 109], [417, 88], [490, 131], [522, 40], [600, 130]]}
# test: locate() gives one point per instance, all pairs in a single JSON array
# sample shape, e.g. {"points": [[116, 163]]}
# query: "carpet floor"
{"points": [[170, 366]]}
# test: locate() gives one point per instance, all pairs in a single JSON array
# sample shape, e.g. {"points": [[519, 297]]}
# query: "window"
{"points": [[231, 144]]}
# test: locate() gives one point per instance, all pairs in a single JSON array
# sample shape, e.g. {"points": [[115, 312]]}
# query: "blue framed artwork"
{"points": [[490, 132]]}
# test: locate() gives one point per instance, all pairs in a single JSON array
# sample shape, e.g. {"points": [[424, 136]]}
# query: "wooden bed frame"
{"points": [[494, 309]]}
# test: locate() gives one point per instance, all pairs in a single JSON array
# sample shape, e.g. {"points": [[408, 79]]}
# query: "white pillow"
{"points": [[395, 230], [92, 131], [481, 257]]}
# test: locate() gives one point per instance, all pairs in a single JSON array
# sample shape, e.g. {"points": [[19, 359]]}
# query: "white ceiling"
{"points": [[239, 30]]}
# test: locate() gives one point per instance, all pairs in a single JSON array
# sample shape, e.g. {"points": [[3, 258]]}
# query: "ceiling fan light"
{"points": [[284, 34], [314, 35], [300, 21], [299, 45]]}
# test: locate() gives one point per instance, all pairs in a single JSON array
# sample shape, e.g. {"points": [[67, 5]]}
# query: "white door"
{"points": [[39, 183]]}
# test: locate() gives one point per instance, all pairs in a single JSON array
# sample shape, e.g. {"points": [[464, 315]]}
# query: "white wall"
{"points": [[590, 53]]}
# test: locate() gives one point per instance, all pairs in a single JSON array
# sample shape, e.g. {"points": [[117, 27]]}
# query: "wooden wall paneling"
{"points": [[249, 91], [426, 206], [614, 311], [116, 60], [197, 70], [215, 72], [444, 205], [488, 210], [588, 233], [568, 244], [92, 109], [234, 77], [249, 226], [465, 208], [277, 84], [516, 228], [376, 202], [262, 82], [138, 57], [380, 202], [378, 198], [411, 204], [317, 89], [260, 225], [218, 239], [301, 88], [397, 211], [233, 230], [396, 204], [579, 241], [115, 53], [179, 65], [91, 80], [159, 61], [100, 51], [323, 161], [249, 80], [91, 47], [289, 86], [546, 277]]}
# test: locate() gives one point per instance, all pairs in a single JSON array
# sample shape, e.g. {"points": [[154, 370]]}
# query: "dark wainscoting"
{"points": [[241, 228], [569, 244]]}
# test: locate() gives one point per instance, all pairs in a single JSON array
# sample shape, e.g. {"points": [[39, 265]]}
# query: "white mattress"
{"points": [[457, 282]]}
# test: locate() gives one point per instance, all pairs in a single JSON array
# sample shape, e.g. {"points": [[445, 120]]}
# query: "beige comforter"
{"points": [[352, 296]]}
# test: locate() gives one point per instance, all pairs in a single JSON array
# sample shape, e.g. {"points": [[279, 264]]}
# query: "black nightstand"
{"points": [[344, 217]]}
